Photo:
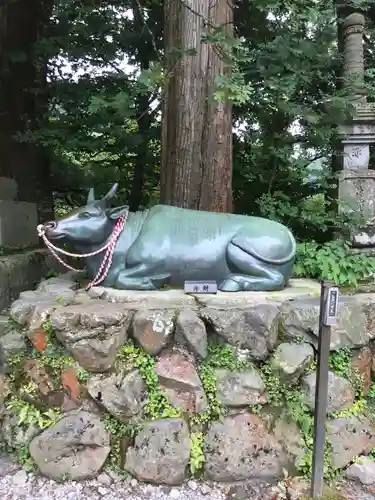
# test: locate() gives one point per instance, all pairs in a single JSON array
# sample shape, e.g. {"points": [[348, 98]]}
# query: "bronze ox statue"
{"points": [[166, 245]]}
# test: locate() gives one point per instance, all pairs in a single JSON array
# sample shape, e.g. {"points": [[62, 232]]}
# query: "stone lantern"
{"points": [[356, 181]]}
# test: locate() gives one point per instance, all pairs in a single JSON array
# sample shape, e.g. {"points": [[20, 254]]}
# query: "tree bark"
{"points": [[196, 169], [22, 100]]}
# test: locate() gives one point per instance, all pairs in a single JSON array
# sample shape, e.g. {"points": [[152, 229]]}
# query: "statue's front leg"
{"points": [[137, 279]]}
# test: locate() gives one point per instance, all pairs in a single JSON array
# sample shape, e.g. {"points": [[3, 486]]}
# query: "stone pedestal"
{"points": [[357, 196], [18, 219], [8, 189]]}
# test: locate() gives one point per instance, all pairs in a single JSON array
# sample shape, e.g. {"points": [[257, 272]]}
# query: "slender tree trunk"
{"points": [[21, 107], [144, 119], [196, 170], [143, 155]]}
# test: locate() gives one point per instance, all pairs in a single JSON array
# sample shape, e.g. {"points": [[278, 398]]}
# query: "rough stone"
{"points": [[193, 485], [105, 479], [96, 313], [4, 324], [161, 451], [153, 329], [135, 299], [362, 470], [291, 360], [92, 332], [341, 394], [48, 391], [355, 327], [77, 446], [362, 364], [180, 382], [254, 328], [34, 307], [205, 489], [4, 392], [298, 488], [5, 287], [58, 285], [7, 465], [11, 343], [350, 437], [82, 297], [20, 478], [191, 332], [13, 435], [239, 449], [123, 395], [288, 434], [103, 491], [20, 272], [240, 389], [25, 270]]}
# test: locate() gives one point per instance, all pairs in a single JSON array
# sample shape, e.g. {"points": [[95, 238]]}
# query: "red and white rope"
{"points": [[107, 259]]}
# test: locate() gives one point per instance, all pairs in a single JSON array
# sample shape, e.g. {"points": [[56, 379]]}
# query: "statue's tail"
{"points": [[277, 262]]}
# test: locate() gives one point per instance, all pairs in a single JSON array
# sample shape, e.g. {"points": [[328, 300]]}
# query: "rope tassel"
{"points": [[109, 249]]}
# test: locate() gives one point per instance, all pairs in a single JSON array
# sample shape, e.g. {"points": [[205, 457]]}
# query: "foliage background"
{"points": [[102, 122]]}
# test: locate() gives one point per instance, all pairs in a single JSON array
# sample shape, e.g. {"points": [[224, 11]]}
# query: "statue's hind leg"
{"points": [[140, 278], [249, 273]]}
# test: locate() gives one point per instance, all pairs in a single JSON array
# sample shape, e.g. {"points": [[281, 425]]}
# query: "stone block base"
{"points": [[18, 222]]}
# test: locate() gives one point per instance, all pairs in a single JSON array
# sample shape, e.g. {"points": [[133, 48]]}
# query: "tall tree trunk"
{"points": [[21, 107], [196, 169]]}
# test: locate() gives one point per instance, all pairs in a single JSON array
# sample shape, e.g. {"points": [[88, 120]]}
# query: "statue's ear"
{"points": [[117, 212]]}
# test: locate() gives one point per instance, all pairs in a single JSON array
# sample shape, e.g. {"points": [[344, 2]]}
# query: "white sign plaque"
{"points": [[331, 306], [200, 287]]}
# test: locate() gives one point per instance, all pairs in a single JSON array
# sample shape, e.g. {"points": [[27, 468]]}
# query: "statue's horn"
{"points": [[90, 196], [111, 193]]}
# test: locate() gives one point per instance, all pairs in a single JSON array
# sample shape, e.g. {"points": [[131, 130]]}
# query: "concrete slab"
{"points": [[158, 299], [298, 288]]}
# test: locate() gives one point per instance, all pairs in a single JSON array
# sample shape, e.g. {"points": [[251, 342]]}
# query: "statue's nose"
{"points": [[50, 225]]}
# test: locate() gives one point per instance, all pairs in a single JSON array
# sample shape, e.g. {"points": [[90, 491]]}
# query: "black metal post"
{"points": [[321, 394]]}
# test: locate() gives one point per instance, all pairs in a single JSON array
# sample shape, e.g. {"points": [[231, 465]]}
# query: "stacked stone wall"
{"points": [[164, 385]]}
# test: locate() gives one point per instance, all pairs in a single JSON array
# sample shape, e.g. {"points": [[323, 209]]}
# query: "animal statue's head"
{"points": [[90, 224]]}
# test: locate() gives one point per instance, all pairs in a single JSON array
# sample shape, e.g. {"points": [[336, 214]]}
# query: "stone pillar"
{"points": [[354, 69], [356, 181]]}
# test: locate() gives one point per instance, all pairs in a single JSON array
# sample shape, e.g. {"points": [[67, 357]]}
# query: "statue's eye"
{"points": [[84, 215]]}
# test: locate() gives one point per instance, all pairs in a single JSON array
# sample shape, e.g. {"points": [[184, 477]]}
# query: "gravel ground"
{"points": [[354, 491], [16, 484]]}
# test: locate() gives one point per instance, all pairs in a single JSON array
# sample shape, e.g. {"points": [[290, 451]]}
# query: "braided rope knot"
{"points": [[109, 248]]}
